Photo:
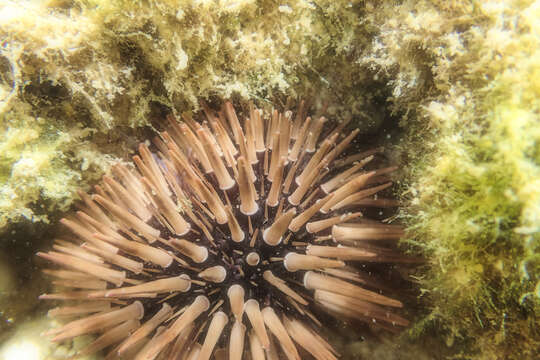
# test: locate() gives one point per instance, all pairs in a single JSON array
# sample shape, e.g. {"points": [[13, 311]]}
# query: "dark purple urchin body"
{"points": [[220, 220]]}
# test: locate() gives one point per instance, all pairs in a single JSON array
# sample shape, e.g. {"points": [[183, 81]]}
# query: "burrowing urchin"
{"points": [[220, 220]]}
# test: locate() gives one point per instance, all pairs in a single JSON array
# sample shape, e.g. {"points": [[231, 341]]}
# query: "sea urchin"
{"points": [[220, 220]]}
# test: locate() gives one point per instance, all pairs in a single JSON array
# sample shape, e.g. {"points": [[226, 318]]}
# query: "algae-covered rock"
{"points": [[464, 78], [28, 343], [77, 77]]}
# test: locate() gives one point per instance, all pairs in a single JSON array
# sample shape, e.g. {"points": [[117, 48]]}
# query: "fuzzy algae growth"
{"points": [[92, 71], [473, 201], [457, 82]]}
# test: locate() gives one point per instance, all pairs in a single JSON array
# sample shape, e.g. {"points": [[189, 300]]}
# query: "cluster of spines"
{"points": [[185, 188]]}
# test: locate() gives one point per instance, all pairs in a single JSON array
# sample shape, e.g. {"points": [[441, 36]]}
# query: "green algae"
{"points": [[115, 66], [472, 167]]}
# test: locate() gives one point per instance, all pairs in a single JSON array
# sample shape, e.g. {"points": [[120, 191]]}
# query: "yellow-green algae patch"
{"points": [[91, 71], [472, 155], [37, 164]]}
